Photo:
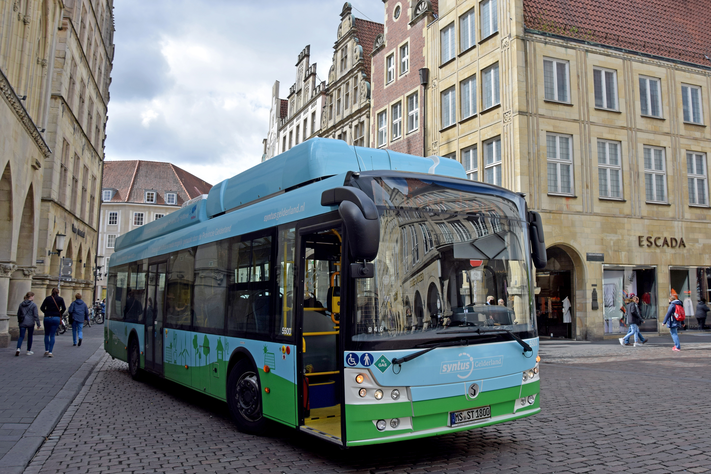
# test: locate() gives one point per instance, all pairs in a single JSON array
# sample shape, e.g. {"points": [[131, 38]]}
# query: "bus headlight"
{"points": [[381, 425], [525, 376], [362, 392], [378, 394], [531, 373], [359, 378], [535, 370], [394, 423], [531, 399], [395, 394]]}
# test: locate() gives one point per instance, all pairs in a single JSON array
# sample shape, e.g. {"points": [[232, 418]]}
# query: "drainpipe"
{"points": [[424, 79]]}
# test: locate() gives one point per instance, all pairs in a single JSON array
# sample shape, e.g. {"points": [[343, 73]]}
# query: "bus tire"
{"points": [[134, 359], [244, 398]]}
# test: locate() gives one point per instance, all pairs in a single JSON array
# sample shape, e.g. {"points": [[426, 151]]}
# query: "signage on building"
{"points": [[595, 257], [651, 241], [76, 230]]}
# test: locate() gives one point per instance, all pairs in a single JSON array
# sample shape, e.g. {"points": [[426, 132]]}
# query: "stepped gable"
{"points": [[367, 31]]}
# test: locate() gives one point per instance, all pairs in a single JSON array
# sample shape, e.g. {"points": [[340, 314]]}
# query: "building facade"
{"points": [[397, 93], [346, 113], [135, 193], [602, 122]]}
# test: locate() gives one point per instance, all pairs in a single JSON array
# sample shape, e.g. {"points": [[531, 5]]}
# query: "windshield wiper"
{"points": [[479, 330], [414, 355]]}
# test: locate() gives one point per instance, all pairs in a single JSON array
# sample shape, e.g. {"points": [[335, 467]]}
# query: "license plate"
{"points": [[469, 416]]}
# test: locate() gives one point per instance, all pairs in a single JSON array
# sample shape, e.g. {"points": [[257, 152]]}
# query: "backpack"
{"points": [[679, 313]]}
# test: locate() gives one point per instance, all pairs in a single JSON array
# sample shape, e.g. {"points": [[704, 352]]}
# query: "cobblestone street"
{"points": [[606, 408]]}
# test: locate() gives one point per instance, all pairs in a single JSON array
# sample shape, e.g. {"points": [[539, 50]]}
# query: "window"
{"points": [[158, 216], [106, 195], [404, 58], [467, 91], [359, 134], [609, 164], [449, 112], [463, 234], [113, 218], [338, 106], [382, 128], [655, 175], [390, 69], [555, 79], [346, 100], [179, 289], [313, 122], [492, 161], [415, 246], [696, 169], [210, 288], [467, 37], [110, 241], [447, 39], [605, 88], [413, 113], [650, 99], [297, 134], [397, 121], [250, 298], [691, 100], [137, 218], [470, 162], [344, 58], [490, 86], [489, 18], [560, 163], [451, 156]]}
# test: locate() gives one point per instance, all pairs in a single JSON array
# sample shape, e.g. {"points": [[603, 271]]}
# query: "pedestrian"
{"points": [[53, 308], [501, 302], [634, 319], [671, 322], [27, 317], [79, 313], [701, 310], [490, 300]]}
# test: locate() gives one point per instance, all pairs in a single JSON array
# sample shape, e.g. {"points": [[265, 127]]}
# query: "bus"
{"points": [[359, 295]]}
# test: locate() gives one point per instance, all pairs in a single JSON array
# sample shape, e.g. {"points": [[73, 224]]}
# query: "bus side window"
{"points": [[285, 281], [179, 289], [210, 285]]}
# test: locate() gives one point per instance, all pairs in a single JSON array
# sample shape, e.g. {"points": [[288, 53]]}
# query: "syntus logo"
{"points": [[464, 366]]}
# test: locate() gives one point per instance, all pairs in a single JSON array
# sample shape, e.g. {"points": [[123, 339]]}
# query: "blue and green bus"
{"points": [[359, 295]]}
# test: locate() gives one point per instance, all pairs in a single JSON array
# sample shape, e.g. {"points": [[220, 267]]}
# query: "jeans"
{"points": [[30, 331], [50, 330], [77, 328], [675, 337], [634, 329], [702, 323]]}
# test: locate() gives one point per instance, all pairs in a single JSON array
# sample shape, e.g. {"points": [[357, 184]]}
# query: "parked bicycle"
{"points": [[96, 315], [63, 324]]}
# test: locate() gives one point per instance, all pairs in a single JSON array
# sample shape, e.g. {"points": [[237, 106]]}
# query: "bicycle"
{"points": [[63, 323], [96, 316]]}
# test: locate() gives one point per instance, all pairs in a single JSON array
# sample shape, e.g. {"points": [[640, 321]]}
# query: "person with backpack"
{"points": [[78, 313], [634, 319], [674, 319], [27, 317]]}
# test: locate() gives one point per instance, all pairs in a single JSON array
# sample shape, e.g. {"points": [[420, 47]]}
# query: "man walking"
{"points": [[671, 322], [634, 318]]}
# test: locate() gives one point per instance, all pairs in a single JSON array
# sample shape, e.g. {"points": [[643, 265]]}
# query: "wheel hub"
{"points": [[248, 397]]}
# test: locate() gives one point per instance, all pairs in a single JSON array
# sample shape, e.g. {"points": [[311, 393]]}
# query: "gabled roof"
{"points": [[367, 31], [131, 179], [675, 29]]}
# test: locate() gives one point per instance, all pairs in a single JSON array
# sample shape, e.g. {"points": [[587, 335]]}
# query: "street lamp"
{"points": [[58, 253]]}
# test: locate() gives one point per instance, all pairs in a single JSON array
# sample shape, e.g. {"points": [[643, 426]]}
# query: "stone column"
{"points": [[6, 270], [20, 284]]}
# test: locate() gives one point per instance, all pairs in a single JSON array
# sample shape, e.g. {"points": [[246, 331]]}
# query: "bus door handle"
{"points": [[303, 344]]}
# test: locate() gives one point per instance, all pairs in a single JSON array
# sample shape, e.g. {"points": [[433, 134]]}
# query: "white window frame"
{"points": [[158, 216], [106, 195], [150, 197], [447, 43], [689, 110], [396, 116], [449, 107], [607, 169], [462, 232], [553, 157], [555, 65], [138, 219], [467, 30], [413, 112], [490, 83], [110, 241], [645, 96], [383, 128], [390, 68], [655, 176], [604, 89], [404, 58], [492, 160], [111, 214], [470, 162], [467, 93], [171, 199], [697, 178], [489, 21]]}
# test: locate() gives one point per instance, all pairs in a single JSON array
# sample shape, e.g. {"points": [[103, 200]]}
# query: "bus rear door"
{"points": [[154, 318]]}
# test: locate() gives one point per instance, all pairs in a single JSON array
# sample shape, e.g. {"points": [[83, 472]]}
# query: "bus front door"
{"points": [[154, 318], [319, 301]]}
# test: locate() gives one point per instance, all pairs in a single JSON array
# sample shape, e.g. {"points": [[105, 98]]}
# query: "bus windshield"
{"points": [[451, 261]]}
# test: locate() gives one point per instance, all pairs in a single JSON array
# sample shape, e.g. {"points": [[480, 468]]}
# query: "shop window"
{"points": [[618, 284], [691, 285]]}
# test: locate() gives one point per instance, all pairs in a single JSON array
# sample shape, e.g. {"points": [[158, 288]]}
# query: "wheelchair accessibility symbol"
{"points": [[352, 359]]}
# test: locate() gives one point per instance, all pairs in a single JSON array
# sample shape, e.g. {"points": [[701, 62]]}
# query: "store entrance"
{"points": [[554, 303]]}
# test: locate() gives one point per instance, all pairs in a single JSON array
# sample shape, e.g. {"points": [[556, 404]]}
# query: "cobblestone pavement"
{"points": [[605, 408]]}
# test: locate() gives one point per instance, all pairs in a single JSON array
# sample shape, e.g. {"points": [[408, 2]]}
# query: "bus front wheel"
{"points": [[134, 359], [244, 398]]}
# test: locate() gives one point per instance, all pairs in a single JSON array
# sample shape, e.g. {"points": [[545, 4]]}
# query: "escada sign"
{"points": [[671, 242]]}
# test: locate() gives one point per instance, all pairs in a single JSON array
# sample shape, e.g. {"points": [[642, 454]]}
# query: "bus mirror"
{"points": [[360, 218], [538, 242], [362, 270]]}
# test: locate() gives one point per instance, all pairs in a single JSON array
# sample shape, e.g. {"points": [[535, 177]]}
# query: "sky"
{"points": [[192, 79]]}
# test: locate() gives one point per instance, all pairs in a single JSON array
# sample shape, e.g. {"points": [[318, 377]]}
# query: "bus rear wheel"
{"points": [[134, 359], [244, 398]]}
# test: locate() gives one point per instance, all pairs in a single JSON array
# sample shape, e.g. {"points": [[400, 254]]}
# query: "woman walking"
{"points": [[53, 308], [27, 317], [79, 313]]}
